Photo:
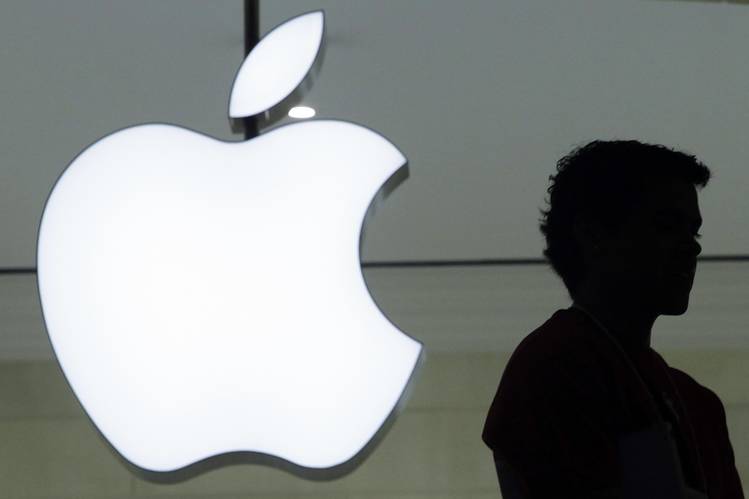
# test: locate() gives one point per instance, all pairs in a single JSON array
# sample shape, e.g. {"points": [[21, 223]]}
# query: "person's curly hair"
{"points": [[601, 182]]}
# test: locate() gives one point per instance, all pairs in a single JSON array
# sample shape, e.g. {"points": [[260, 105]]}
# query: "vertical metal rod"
{"points": [[251, 37]]}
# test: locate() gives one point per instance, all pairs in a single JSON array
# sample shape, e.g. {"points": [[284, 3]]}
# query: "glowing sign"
{"points": [[206, 297]]}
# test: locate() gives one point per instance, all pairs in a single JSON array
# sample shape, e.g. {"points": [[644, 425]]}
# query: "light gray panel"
{"points": [[483, 97]]}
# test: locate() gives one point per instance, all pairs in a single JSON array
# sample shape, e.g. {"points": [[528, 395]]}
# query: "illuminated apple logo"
{"points": [[206, 297]]}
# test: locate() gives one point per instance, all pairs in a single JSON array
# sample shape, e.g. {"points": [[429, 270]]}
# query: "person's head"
{"points": [[624, 216]]}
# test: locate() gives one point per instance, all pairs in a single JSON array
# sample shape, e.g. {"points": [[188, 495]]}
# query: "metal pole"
{"points": [[251, 37]]}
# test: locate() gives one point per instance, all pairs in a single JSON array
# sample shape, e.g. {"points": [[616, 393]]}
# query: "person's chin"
{"points": [[678, 305]]}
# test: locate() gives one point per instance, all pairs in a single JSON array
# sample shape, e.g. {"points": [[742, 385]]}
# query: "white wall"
{"points": [[50, 449], [469, 320]]}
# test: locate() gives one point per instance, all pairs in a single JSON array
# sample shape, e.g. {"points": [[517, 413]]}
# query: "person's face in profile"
{"points": [[641, 264]]}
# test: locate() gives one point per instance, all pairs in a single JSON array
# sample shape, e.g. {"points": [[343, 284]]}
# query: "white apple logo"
{"points": [[206, 297]]}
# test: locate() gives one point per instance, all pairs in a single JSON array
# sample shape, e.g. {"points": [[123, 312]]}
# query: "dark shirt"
{"points": [[568, 396]]}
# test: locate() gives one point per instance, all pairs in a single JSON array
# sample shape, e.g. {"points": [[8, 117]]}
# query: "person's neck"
{"points": [[622, 321]]}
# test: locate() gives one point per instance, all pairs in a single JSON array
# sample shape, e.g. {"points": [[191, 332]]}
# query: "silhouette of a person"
{"points": [[585, 407]]}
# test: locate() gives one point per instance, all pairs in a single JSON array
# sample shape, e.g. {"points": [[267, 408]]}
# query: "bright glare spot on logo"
{"points": [[301, 112]]}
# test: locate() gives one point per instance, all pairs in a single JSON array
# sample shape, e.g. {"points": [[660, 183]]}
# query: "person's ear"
{"points": [[588, 235]]}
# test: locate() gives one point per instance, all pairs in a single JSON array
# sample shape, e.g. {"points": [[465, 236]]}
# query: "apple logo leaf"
{"points": [[262, 84]]}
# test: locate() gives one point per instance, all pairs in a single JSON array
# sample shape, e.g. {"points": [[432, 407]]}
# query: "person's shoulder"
{"points": [[549, 337], [556, 341], [693, 389], [526, 379]]}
